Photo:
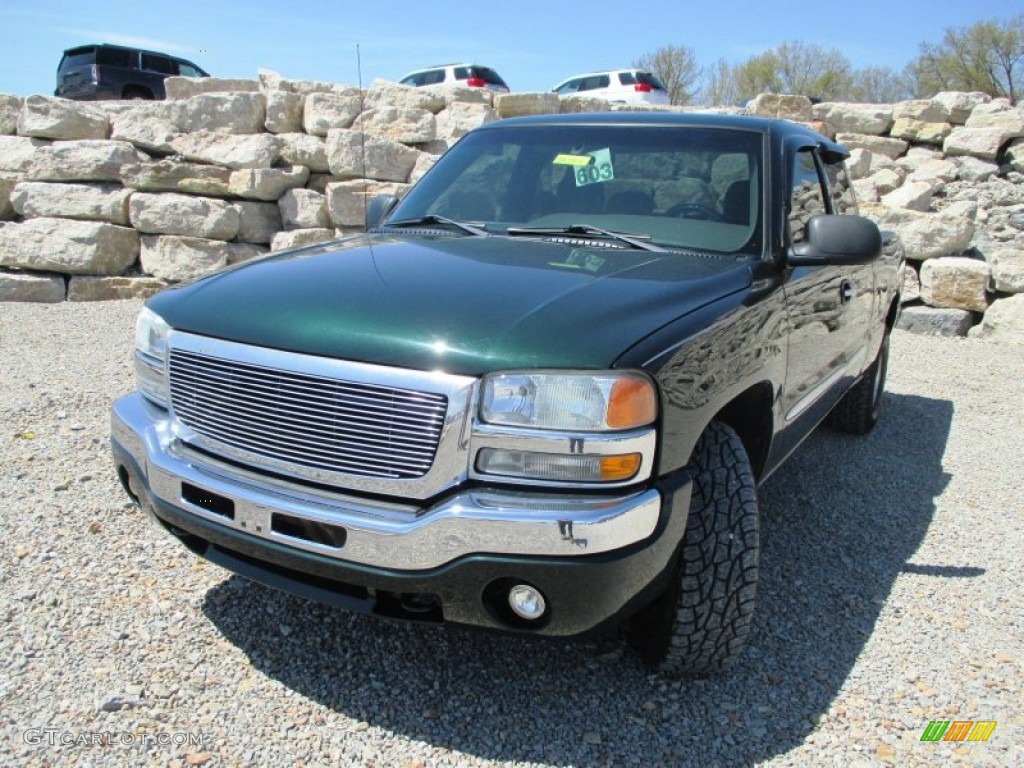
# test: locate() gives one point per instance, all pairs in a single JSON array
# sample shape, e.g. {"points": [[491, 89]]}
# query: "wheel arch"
{"points": [[137, 90], [750, 412], [750, 416], [893, 314]]}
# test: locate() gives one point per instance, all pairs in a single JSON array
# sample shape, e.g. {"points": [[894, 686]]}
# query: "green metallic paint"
{"points": [[466, 305]]}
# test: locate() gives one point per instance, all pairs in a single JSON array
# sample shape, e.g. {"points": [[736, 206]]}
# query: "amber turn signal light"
{"points": [[631, 403]]}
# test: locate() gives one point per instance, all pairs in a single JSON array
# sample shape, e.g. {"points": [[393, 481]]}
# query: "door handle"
{"points": [[845, 291]]}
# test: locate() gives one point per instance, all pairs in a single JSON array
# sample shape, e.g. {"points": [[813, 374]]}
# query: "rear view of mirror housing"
{"points": [[378, 209], [833, 239]]}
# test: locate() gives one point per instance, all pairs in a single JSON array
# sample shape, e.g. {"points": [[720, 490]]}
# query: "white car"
{"points": [[630, 86], [471, 75]]}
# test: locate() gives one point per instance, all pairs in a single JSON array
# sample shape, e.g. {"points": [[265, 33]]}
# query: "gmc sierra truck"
{"points": [[539, 393]]}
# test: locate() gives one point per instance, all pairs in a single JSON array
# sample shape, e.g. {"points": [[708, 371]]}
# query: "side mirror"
{"points": [[378, 209], [838, 240]]}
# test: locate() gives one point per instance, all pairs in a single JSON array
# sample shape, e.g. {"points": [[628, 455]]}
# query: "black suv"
{"points": [[115, 72]]}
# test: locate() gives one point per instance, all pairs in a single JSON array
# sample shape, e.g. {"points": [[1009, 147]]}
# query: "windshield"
{"points": [[648, 79], [677, 186], [486, 74], [79, 57]]}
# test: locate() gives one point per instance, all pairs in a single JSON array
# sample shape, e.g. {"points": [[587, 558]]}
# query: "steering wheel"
{"points": [[694, 211]]}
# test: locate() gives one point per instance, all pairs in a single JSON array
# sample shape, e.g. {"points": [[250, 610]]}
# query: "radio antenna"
{"points": [[362, 134], [362, 162]]}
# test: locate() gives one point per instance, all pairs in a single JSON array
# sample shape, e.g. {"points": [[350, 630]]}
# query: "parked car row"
{"points": [[102, 71], [629, 86]]}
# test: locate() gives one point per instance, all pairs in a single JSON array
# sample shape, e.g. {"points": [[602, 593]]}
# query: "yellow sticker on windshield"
{"points": [[573, 160]]}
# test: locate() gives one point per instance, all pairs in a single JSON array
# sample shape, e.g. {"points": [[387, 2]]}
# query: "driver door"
{"points": [[829, 307]]}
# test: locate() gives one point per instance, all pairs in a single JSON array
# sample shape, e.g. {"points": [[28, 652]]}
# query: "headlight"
{"points": [[151, 356], [576, 402]]}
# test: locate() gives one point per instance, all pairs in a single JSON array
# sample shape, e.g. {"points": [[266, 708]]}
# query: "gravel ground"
{"points": [[889, 597]]}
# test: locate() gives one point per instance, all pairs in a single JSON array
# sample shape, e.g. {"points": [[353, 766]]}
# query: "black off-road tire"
{"points": [[701, 624], [858, 411]]}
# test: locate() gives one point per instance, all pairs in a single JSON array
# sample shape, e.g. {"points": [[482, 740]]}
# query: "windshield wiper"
{"points": [[432, 218], [630, 239]]}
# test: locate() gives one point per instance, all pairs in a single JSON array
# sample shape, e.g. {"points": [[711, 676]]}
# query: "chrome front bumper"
{"points": [[398, 536]]}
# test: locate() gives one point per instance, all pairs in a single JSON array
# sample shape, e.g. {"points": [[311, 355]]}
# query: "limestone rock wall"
{"points": [[947, 174], [118, 199]]}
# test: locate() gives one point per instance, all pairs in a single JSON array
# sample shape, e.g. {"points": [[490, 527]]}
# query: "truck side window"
{"points": [[807, 197], [114, 57], [844, 201]]}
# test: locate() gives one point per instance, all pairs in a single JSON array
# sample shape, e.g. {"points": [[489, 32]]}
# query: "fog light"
{"points": [[526, 602]]}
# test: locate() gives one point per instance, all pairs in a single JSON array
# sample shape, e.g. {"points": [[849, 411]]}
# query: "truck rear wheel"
{"points": [[701, 623], [858, 411]]}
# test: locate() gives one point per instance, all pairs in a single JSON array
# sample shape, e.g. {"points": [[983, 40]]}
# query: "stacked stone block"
{"points": [[121, 199]]}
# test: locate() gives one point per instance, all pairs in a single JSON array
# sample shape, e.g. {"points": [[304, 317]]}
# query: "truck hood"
{"points": [[466, 305]]}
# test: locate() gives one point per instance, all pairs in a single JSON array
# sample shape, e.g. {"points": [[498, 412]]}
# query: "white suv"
{"points": [[632, 86], [471, 75]]}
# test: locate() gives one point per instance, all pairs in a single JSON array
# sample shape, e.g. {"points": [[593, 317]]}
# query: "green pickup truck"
{"points": [[539, 393]]}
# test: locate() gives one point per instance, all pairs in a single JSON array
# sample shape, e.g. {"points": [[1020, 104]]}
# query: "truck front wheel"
{"points": [[701, 623]]}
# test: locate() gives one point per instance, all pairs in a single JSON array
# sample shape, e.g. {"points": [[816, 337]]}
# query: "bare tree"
{"points": [[880, 85], [719, 88], [796, 67], [676, 66], [988, 57]]}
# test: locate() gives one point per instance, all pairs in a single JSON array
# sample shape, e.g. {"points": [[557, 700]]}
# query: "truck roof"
{"points": [[777, 127]]}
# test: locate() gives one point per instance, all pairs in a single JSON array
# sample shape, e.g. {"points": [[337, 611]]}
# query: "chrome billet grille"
{"points": [[308, 420]]}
